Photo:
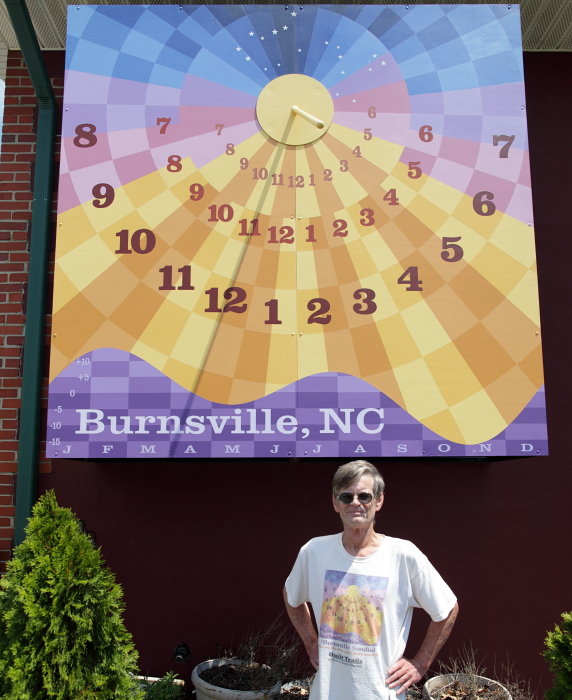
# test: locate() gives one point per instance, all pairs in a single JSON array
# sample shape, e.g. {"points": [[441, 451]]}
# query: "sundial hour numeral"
{"points": [[414, 171], [235, 297], [104, 195], [411, 278], [167, 273], [85, 132], [197, 191], [244, 228], [164, 121], [391, 197], [368, 219], [224, 212], [174, 164], [142, 242], [425, 133], [503, 153], [286, 234], [340, 228], [451, 251], [272, 312], [320, 307], [483, 204]]}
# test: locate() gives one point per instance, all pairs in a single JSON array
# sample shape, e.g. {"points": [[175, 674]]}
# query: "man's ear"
{"points": [[380, 502], [335, 504]]}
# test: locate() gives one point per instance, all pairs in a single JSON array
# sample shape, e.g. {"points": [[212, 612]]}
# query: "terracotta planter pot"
{"points": [[206, 691], [439, 682]]}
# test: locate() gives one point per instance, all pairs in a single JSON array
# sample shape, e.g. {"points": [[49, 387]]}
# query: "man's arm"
{"points": [[405, 673], [300, 618]]}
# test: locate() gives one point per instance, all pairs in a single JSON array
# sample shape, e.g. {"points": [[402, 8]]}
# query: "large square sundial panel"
{"points": [[295, 231]]}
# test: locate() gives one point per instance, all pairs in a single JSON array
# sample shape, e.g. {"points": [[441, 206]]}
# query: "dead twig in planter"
{"points": [[270, 655], [469, 686]]}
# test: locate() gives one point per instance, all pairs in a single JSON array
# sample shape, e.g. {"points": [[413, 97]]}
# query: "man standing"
{"points": [[363, 587]]}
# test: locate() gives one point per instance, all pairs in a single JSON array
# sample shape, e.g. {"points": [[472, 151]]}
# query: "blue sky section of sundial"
{"points": [[209, 66], [437, 47], [369, 14], [196, 30], [263, 24], [305, 29], [323, 27], [226, 14], [254, 47], [224, 45], [353, 60], [281, 19]]}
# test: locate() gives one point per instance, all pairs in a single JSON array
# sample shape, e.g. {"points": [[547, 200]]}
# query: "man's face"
{"points": [[357, 514]]}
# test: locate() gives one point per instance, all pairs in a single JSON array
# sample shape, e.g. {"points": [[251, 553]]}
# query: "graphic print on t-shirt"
{"points": [[352, 609]]}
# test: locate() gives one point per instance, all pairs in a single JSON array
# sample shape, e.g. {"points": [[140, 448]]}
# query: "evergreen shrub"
{"points": [[62, 636], [558, 653]]}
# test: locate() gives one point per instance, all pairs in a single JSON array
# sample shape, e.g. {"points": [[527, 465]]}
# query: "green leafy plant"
{"points": [[62, 636], [163, 689], [558, 653]]}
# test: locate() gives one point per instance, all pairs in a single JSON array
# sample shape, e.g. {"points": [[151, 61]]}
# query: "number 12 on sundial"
{"points": [[295, 231]]}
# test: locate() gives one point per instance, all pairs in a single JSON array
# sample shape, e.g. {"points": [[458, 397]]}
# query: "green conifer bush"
{"points": [[558, 653], [62, 635]]}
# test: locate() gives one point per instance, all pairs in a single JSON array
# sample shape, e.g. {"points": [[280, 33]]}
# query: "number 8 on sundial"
{"points": [[257, 200]]}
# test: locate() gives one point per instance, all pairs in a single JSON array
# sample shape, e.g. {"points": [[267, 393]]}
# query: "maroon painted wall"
{"points": [[202, 549]]}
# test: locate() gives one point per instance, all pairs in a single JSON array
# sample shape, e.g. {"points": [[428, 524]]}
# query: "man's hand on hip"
{"points": [[403, 673]]}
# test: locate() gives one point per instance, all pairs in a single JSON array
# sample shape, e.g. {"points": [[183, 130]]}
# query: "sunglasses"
{"points": [[346, 497]]}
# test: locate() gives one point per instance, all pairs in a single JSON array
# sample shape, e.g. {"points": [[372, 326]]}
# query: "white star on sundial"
{"points": [[337, 94], [353, 100], [370, 69], [339, 56], [274, 31], [266, 69], [293, 14], [250, 33], [248, 58], [278, 65], [299, 50], [383, 63], [238, 48], [343, 72], [375, 55], [338, 47], [326, 42], [261, 38]]}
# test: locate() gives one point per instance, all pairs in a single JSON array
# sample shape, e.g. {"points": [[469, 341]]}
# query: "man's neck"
{"points": [[361, 542]]}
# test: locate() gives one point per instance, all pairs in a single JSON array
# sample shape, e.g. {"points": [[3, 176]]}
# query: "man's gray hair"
{"points": [[352, 471]]}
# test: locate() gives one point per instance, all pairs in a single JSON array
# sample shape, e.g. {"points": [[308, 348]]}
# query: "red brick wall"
{"points": [[16, 179]]}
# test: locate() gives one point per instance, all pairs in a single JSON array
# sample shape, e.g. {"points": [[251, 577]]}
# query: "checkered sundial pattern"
{"points": [[394, 254]]}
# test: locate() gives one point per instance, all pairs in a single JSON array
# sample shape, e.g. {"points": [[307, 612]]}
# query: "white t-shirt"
{"points": [[363, 607]]}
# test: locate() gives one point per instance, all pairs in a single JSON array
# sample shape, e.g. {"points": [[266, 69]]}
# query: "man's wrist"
{"points": [[422, 670]]}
